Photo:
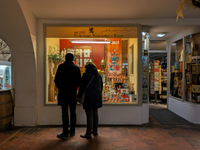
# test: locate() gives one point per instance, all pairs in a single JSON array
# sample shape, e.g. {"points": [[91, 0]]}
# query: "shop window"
{"points": [[192, 68], [5, 66], [116, 62], [176, 75]]}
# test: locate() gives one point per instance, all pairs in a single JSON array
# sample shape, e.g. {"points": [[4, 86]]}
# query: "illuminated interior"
{"points": [[115, 59]]}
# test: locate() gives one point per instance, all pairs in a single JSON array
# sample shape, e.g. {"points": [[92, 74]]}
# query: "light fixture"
{"points": [[160, 34], [92, 42]]}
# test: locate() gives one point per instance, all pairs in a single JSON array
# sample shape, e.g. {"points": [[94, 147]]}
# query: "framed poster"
{"points": [[114, 57], [85, 53]]}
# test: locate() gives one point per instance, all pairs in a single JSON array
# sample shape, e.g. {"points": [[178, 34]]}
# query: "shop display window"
{"points": [[116, 62], [176, 75], [5, 66], [192, 68]]}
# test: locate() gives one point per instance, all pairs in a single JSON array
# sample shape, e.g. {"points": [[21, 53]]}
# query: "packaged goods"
{"points": [[176, 65]]}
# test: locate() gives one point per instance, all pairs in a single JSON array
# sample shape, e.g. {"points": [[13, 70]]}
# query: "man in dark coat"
{"points": [[67, 80], [93, 97]]}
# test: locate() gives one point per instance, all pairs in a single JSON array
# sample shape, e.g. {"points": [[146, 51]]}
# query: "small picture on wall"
{"points": [[85, 61], [79, 52], [86, 52], [79, 62]]}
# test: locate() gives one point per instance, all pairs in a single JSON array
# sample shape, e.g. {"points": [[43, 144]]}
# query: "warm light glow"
{"points": [[93, 42], [160, 35]]}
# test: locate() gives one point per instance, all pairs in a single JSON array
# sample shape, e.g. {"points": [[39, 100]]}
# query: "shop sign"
{"points": [[91, 32]]}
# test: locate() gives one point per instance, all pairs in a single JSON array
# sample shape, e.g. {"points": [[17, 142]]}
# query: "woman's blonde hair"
{"points": [[89, 63]]}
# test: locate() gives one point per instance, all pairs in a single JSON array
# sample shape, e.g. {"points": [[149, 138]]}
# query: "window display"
{"points": [[192, 68], [176, 78], [5, 66], [115, 59]]}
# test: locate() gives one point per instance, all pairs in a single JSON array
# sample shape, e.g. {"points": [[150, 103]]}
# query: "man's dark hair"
{"points": [[69, 57]]}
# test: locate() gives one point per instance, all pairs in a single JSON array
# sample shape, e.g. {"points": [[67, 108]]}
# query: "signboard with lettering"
{"points": [[91, 32]]}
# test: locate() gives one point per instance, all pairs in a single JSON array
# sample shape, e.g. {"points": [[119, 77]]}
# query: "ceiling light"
{"points": [[160, 35], [92, 42]]}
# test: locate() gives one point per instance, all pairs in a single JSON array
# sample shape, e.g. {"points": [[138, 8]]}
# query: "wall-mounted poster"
{"points": [[79, 52], [114, 55], [85, 61], [79, 62], [85, 53]]}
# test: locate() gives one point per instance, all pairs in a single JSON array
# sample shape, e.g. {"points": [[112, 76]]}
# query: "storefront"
{"points": [[121, 56], [184, 75]]}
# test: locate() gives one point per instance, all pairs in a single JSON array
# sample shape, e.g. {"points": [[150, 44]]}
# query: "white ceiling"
{"points": [[114, 9], [107, 9]]}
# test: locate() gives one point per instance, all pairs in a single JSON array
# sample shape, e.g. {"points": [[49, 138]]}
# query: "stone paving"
{"points": [[151, 136]]}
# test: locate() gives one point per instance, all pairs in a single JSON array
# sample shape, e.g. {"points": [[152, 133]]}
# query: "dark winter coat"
{"points": [[67, 80], [93, 94]]}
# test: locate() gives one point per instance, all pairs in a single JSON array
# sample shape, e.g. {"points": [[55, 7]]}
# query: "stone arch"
{"points": [[15, 32]]}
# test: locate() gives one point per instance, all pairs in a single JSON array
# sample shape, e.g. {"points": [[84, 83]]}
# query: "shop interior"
{"points": [[115, 59], [158, 75]]}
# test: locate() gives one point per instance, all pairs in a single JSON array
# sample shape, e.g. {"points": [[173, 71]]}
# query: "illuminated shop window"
{"points": [[114, 57], [5, 66], [176, 75], [192, 68]]}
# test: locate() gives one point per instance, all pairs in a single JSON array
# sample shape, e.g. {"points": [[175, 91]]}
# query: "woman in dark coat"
{"points": [[93, 98]]}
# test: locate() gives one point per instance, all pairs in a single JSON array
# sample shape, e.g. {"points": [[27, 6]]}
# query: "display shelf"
{"points": [[192, 70], [158, 79]]}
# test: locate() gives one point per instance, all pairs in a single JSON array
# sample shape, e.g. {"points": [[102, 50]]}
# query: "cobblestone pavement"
{"points": [[151, 136]]}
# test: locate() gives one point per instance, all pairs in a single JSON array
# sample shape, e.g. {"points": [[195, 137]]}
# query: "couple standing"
{"points": [[67, 80]]}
